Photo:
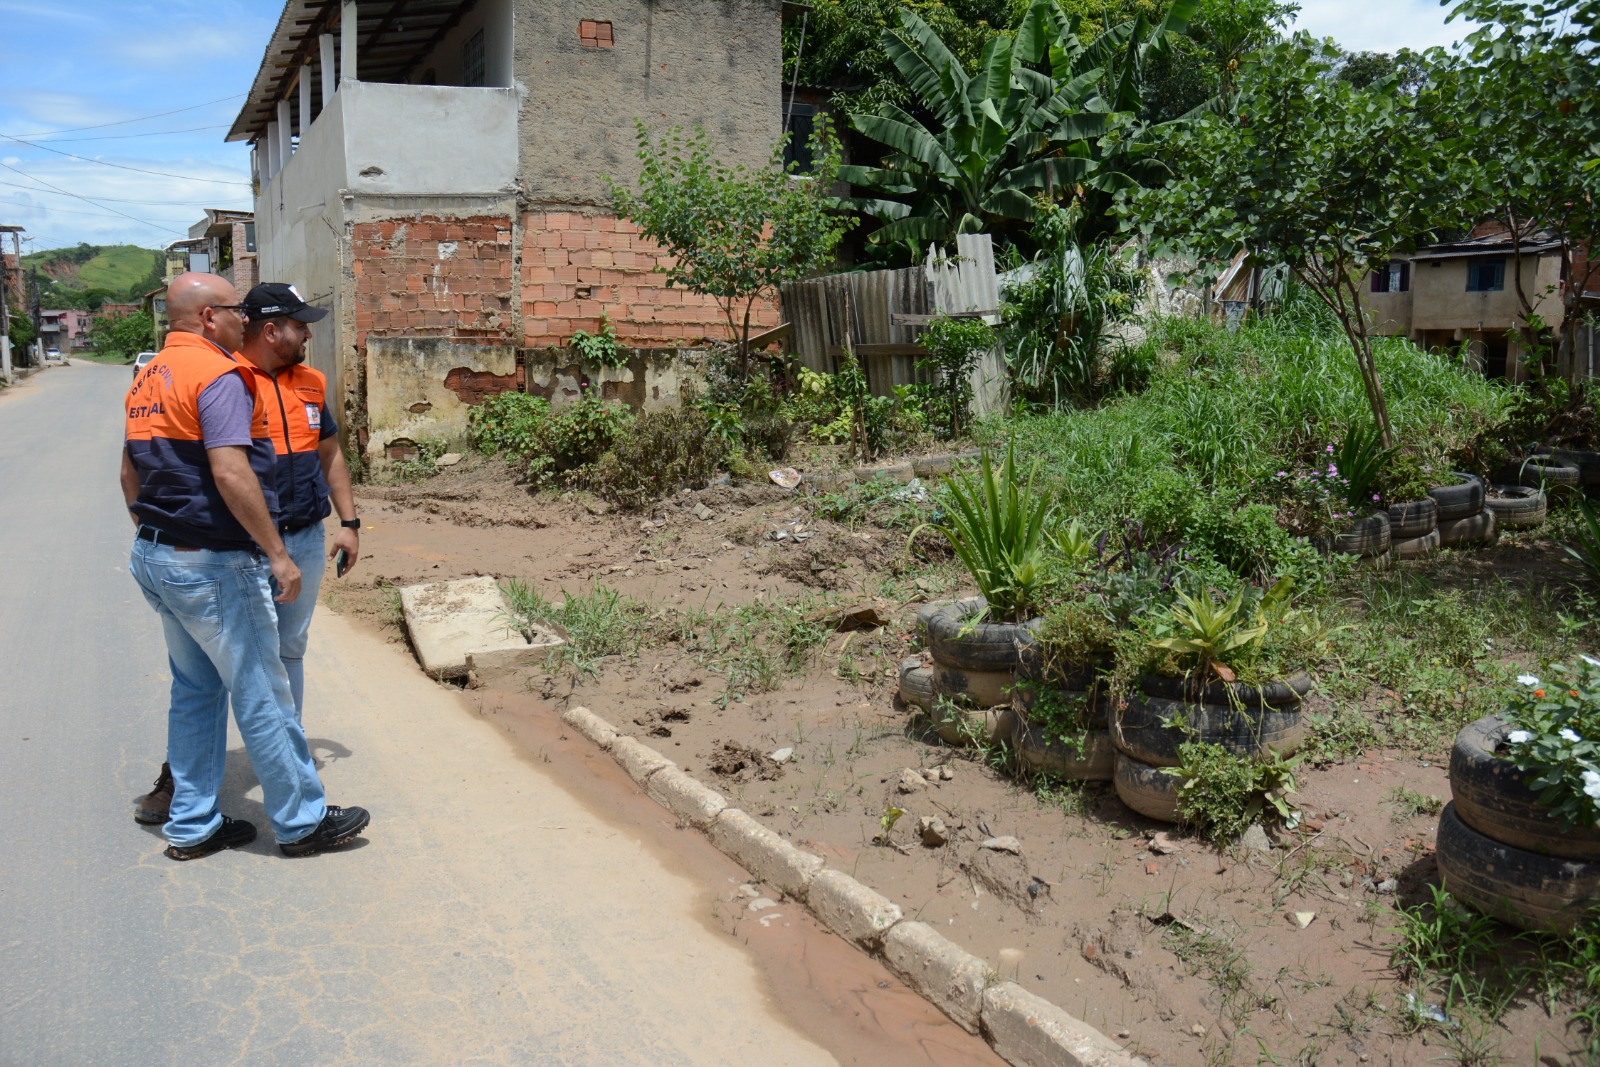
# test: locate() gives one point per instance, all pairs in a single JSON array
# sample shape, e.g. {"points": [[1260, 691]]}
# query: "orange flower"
{"points": [[1538, 693], [1572, 692]]}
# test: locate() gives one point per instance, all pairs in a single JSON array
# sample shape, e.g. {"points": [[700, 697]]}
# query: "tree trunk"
{"points": [[1338, 289]]}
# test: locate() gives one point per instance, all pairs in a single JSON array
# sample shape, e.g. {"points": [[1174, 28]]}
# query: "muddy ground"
{"points": [[1189, 954]]}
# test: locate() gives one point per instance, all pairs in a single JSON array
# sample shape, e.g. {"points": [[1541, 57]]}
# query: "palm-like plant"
{"points": [[1207, 631], [1585, 549], [986, 144]]}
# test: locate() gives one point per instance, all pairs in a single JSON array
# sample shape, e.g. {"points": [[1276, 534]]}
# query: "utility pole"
{"points": [[5, 297]]}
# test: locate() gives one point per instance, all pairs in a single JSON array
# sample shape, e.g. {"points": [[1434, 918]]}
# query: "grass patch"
{"points": [[1408, 803], [597, 624]]}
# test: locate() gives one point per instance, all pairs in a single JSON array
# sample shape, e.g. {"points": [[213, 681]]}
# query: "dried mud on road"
{"points": [[1186, 953]]}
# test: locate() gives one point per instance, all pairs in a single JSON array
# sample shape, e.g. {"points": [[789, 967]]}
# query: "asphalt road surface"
{"points": [[487, 916]]}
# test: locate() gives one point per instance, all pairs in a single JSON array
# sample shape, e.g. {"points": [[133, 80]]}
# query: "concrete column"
{"points": [[285, 131], [305, 99], [330, 67], [348, 40], [274, 163]]}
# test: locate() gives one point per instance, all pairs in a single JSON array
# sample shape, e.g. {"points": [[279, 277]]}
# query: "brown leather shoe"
{"points": [[151, 809]]}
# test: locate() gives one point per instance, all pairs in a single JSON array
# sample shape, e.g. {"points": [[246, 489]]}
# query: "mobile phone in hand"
{"points": [[341, 563]]}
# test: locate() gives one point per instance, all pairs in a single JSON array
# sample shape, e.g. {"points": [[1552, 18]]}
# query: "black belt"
{"points": [[285, 528], [161, 537]]}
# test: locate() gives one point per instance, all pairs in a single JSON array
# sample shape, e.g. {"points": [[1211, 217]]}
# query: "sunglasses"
{"points": [[242, 310]]}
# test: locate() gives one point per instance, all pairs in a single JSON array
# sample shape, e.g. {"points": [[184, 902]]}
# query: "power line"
{"points": [[58, 210], [124, 214], [143, 203], [127, 136], [124, 122], [119, 166]]}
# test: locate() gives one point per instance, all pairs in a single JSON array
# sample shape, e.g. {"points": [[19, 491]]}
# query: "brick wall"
{"points": [[427, 276], [576, 266]]}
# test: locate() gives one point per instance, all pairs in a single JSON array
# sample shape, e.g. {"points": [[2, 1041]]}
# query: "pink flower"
{"points": [[1330, 448], [1375, 496]]}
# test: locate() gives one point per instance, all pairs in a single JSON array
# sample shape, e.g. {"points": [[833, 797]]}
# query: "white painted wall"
{"points": [[429, 139]]}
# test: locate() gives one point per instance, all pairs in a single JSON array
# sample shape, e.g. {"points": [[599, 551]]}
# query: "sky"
{"points": [[160, 83]]}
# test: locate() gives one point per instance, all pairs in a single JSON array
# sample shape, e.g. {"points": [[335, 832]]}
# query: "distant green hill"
{"points": [[117, 271]]}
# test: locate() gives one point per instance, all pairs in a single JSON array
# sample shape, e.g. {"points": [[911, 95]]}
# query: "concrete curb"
{"points": [[1024, 1029]]}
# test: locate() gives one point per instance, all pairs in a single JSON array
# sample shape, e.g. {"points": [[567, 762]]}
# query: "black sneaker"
{"points": [[231, 834], [338, 826], [151, 809]]}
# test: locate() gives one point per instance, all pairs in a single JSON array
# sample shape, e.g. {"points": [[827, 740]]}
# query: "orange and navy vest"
{"points": [[177, 493], [298, 416]]}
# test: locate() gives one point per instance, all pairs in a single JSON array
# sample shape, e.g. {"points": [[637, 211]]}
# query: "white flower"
{"points": [[1591, 784], [1527, 679], [1569, 734], [1519, 736]]}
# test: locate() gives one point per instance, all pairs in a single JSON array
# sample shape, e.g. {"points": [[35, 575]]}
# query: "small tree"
{"points": [[1311, 172], [124, 336], [734, 234]]}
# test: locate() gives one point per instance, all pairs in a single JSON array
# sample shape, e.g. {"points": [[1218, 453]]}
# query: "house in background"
{"points": [[65, 330], [431, 172], [1463, 293], [227, 242]]}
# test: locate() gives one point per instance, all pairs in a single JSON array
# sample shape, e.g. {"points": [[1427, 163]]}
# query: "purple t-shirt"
{"points": [[226, 407]]}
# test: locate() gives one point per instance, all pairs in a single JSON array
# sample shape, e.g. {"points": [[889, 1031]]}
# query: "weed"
{"points": [[597, 624], [1408, 803], [662, 452], [1222, 794]]}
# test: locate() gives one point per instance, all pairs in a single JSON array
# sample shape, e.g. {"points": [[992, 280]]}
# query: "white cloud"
{"points": [[1380, 25], [44, 108], [213, 42]]}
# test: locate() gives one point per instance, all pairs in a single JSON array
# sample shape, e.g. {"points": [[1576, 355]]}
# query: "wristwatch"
{"points": [[350, 524]]}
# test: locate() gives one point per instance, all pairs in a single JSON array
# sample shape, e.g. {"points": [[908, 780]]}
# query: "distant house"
{"points": [[1462, 294], [431, 171], [66, 329], [224, 243]]}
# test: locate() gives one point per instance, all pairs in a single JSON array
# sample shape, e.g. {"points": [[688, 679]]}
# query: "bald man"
{"points": [[198, 478]]}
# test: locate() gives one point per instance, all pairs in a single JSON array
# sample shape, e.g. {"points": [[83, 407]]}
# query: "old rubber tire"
{"points": [[1518, 507], [1416, 547], [916, 683], [1092, 760], [1462, 500], [1587, 462], [1143, 730], [1525, 889], [956, 641], [1480, 529], [1148, 790], [970, 727], [1380, 562], [1288, 691], [1365, 537], [1095, 713], [1541, 472], [1413, 518], [973, 689], [1491, 797]]}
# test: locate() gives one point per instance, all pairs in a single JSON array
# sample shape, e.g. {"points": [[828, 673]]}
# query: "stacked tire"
{"points": [[1085, 754], [1249, 721], [1559, 479], [1517, 507], [1369, 539], [965, 683], [1585, 462], [1414, 528], [1502, 852], [1464, 520]]}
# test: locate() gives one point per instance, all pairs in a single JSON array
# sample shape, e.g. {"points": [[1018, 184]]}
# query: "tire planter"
{"points": [[1413, 519], [1379, 563], [1541, 472], [1367, 537], [1025, 695], [1143, 729], [1416, 547], [1491, 798], [956, 641], [968, 727], [1517, 507], [1033, 667], [1480, 529], [1462, 500], [1288, 691], [1587, 463], [916, 683], [1147, 790], [1522, 888], [973, 689], [1092, 761]]}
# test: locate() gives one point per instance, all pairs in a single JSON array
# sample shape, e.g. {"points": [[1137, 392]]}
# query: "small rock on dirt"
{"points": [[702, 512], [1163, 844], [861, 616], [1255, 839], [1006, 843], [910, 782], [781, 755], [946, 774], [449, 459], [1302, 919], [932, 830]]}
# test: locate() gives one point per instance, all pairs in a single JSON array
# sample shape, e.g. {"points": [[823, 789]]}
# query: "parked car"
{"points": [[141, 359], [52, 353]]}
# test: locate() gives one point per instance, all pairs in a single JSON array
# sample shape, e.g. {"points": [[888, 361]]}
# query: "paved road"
{"points": [[487, 918]]}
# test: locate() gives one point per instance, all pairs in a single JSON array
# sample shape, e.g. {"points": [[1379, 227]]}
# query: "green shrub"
{"points": [[1222, 794], [507, 422], [954, 347], [662, 452], [574, 437]]}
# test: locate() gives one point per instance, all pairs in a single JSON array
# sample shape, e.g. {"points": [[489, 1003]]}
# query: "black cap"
{"points": [[271, 300]]}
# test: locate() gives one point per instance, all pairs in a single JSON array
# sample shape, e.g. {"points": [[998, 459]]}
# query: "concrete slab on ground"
{"points": [[467, 622]]}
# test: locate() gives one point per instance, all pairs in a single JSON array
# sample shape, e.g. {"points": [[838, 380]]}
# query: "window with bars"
{"points": [[472, 60], [1486, 275], [1392, 277]]}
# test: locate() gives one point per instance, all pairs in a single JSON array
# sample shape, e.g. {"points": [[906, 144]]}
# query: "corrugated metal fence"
{"points": [[887, 309]]}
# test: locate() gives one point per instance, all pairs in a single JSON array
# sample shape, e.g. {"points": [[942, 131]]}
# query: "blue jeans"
{"points": [[222, 640], [306, 547]]}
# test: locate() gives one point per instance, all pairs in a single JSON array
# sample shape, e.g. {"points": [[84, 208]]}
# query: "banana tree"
{"points": [[985, 146]]}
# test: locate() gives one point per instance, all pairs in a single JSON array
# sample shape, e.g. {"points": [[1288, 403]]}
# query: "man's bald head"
{"points": [[193, 300]]}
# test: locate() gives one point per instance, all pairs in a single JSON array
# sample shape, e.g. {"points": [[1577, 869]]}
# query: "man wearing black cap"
{"points": [[310, 469]]}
